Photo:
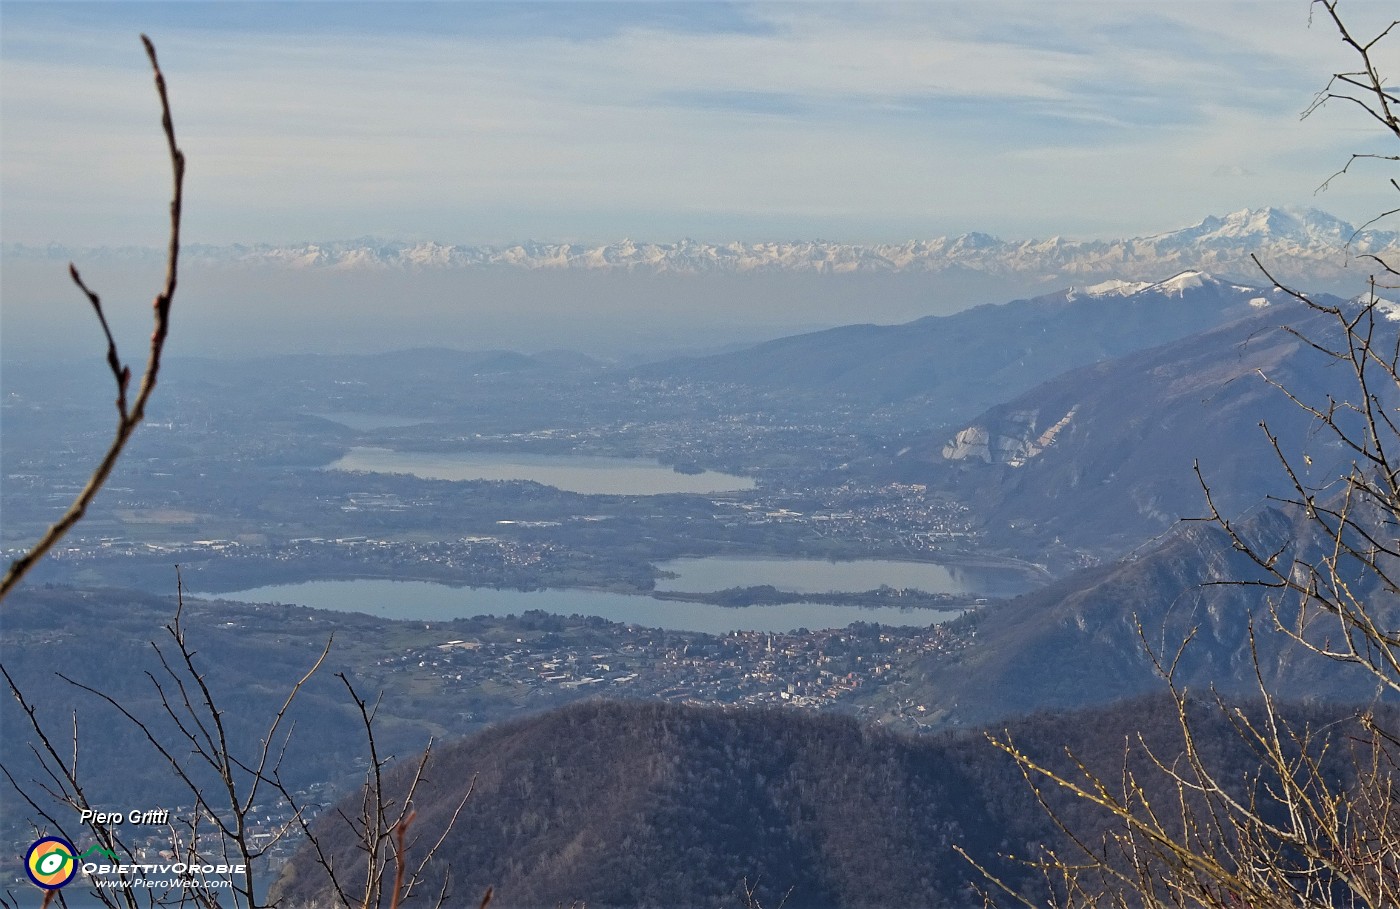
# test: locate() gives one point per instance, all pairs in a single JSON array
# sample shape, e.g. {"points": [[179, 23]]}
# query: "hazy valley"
{"points": [[994, 497], [692, 455]]}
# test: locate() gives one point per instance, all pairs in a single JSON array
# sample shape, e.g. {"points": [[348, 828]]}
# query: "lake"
{"points": [[367, 421], [573, 473], [427, 601], [712, 573]]}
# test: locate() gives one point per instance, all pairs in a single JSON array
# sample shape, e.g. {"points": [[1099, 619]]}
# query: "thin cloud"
{"points": [[955, 117]]}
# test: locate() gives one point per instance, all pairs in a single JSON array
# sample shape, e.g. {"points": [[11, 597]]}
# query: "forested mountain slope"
{"points": [[644, 804], [980, 357], [1101, 459]]}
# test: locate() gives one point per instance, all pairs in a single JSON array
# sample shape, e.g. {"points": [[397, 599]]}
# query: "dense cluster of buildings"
{"points": [[813, 669]]}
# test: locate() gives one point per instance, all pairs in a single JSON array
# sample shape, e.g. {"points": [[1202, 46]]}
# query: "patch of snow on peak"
{"points": [[1389, 309], [1187, 280], [1115, 288]]}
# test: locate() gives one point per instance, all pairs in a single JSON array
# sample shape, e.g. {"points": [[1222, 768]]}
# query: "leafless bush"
{"points": [[224, 781], [1318, 825]]}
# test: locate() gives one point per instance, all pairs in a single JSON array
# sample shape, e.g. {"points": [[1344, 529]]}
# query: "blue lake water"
{"points": [[426, 601], [366, 421], [712, 573], [574, 473]]}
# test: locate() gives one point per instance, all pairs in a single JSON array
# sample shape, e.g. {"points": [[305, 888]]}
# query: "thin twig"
{"points": [[128, 417]]}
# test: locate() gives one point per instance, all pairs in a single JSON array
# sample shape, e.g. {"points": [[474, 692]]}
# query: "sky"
{"points": [[590, 122]]}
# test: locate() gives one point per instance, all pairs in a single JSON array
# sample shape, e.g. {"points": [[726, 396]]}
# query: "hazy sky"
{"points": [[469, 122]]}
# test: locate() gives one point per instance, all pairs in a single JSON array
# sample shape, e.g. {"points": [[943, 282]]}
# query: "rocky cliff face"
{"points": [[1016, 438]]}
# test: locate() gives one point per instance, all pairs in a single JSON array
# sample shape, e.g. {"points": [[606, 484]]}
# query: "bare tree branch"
{"points": [[129, 416], [1318, 825]]}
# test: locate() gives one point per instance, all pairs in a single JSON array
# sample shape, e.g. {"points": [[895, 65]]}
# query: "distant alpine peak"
{"points": [[1303, 226]]}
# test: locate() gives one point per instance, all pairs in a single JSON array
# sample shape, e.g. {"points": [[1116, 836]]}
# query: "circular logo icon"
{"points": [[50, 863]]}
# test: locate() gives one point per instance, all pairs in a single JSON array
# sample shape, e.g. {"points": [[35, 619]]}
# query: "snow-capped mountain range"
{"points": [[1291, 243]]}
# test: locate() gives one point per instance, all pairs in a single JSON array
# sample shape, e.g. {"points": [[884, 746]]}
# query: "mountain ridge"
{"points": [[1114, 443], [959, 364], [1296, 242], [1191, 598], [635, 804]]}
